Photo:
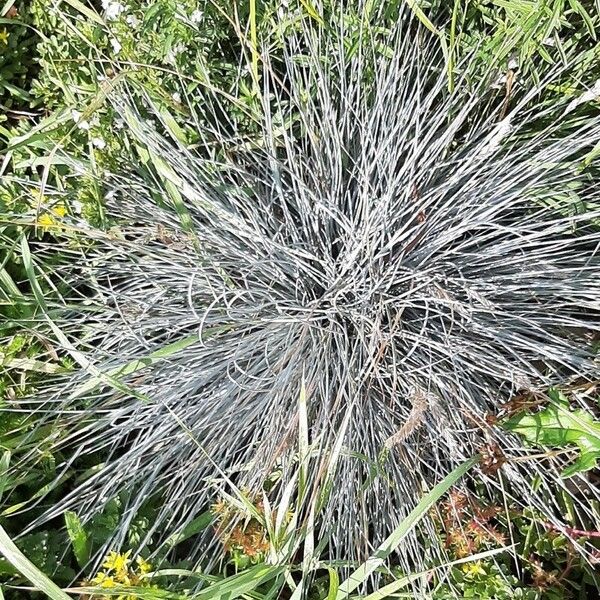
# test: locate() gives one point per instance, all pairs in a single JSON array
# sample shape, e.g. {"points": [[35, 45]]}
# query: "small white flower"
{"points": [[132, 21], [176, 97], [98, 143], [76, 206], [174, 51], [119, 123], [81, 123], [112, 10], [196, 16], [116, 46]]}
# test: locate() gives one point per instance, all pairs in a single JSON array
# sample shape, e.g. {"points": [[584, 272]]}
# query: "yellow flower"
{"points": [[474, 568], [143, 565], [104, 580], [59, 210], [46, 220], [4, 36], [117, 562]]}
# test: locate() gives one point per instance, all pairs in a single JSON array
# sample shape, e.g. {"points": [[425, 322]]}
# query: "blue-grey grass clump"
{"points": [[415, 256]]}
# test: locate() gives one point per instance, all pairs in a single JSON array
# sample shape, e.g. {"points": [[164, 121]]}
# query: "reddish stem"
{"points": [[572, 532]]}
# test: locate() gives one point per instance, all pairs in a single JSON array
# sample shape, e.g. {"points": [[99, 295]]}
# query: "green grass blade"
{"points": [[312, 11], [8, 285], [391, 588], [24, 566], [30, 364], [241, 583], [334, 584], [4, 464], [99, 377], [137, 364], [62, 338], [200, 523], [254, 44], [418, 12], [583, 13], [361, 574], [8, 4], [85, 11]]}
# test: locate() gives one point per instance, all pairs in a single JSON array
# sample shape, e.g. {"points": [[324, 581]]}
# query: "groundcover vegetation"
{"points": [[299, 299]]}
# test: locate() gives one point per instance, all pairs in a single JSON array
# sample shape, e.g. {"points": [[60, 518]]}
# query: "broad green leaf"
{"points": [[79, 539], [557, 427]]}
